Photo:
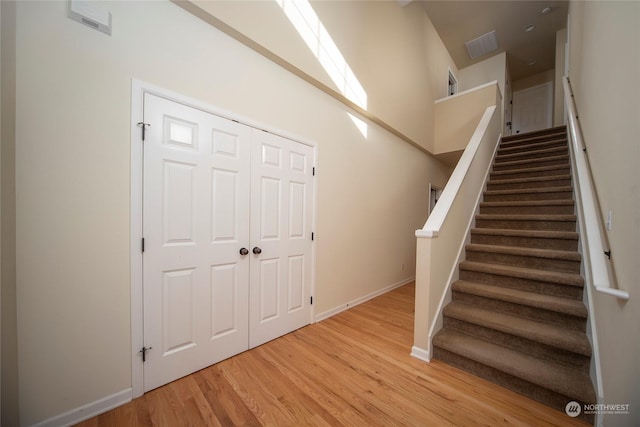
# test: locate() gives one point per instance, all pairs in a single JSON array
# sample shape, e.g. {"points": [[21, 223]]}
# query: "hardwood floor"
{"points": [[353, 369]]}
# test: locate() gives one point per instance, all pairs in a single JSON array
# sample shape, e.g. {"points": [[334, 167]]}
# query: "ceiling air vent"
{"points": [[482, 45]]}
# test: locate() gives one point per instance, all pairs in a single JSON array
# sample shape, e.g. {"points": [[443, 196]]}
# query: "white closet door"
{"points": [[281, 221], [533, 108], [195, 221]]}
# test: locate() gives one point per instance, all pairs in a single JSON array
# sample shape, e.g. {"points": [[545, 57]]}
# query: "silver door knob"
{"points": [[257, 250]]}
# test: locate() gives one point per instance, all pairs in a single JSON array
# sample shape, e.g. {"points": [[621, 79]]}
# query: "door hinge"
{"points": [[143, 244], [311, 298], [313, 235], [143, 125], [313, 171], [144, 353]]}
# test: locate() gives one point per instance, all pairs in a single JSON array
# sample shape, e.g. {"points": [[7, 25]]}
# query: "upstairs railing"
{"points": [[596, 251]]}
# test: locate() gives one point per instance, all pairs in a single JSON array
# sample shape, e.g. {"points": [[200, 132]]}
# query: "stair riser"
{"points": [[528, 210], [534, 146], [531, 155], [527, 225], [530, 164], [527, 242], [524, 196], [497, 185], [568, 358], [539, 286], [575, 323], [523, 173], [524, 261], [550, 398]]}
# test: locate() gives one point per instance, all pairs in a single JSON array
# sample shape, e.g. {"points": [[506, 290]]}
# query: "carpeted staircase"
{"points": [[516, 317]]}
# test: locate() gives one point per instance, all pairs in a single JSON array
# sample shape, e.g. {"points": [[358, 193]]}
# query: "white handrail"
{"points": [[601, 275]]}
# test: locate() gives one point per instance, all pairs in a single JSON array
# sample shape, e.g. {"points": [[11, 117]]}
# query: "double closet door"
{"points": [[227, 217]]}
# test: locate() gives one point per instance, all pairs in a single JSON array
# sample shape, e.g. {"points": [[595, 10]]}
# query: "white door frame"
{"points": [[138, 89]]}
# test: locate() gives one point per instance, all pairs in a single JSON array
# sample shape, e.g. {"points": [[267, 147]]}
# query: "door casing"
{"points": [[138, 89]]}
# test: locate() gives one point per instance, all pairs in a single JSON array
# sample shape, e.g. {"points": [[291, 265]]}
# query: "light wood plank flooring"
{"points": [[353, 369]]}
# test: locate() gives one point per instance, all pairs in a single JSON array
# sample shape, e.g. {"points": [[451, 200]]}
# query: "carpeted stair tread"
{"points": [[522, 203], [528, 220], [544, 152], [530, 170], [529, 207], [572, 383], [544, 333], [527, 162], [539, 234], [538, 253], [556, 277], [531, 299], [528, 190], [532, 146], [534, 179], [535, 238]]}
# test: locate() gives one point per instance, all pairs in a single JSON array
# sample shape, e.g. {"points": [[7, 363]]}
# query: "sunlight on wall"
{"points": [[308, 25]]}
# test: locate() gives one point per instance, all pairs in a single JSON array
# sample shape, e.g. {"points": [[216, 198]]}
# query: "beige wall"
{"points": [[395, 53], [604, 67], [494, 68], [8, 331], [535, 80], [458, 116], [73, 178]]}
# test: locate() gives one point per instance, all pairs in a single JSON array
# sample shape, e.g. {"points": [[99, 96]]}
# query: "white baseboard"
{"points": [[89, 410], [326, 314], [421, 353]]}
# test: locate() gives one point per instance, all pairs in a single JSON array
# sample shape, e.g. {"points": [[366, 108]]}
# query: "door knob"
{"points": [[257, 250], [244, 251]]}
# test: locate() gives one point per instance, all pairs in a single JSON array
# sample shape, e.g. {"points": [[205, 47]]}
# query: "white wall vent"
{"points": [[482, 45], [91, 15]]}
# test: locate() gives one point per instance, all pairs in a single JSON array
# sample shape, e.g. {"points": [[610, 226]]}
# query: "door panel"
{"points": [[532, 108], [195, 220], [281, 204]]}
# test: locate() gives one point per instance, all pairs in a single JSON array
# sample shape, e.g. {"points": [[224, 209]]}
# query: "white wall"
{"points": [[494, 68], [73, 176], [534, 80], [604, 67], [395, 53]]}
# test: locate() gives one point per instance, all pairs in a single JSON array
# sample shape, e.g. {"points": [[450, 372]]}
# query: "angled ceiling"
{"points": [[458, 22]]}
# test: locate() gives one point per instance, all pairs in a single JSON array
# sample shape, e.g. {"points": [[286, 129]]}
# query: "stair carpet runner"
{"points": [[517, 316]]}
